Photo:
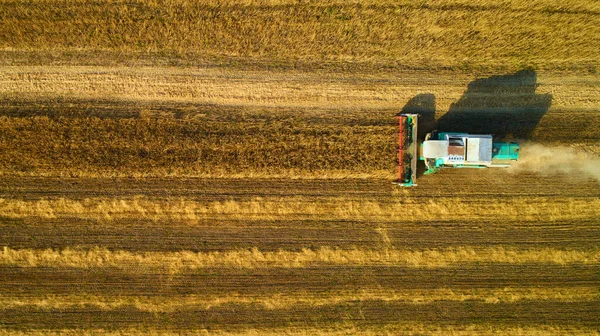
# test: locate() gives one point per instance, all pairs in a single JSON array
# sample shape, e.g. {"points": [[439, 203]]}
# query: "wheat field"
{"points": [[378, 34], [225, 167]]}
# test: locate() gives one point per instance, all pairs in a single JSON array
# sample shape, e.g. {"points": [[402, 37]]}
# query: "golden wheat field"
{"points": [[200, 167]]}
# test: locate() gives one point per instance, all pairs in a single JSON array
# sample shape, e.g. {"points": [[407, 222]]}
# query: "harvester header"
{"points": [[447, 150], [407, 149]]}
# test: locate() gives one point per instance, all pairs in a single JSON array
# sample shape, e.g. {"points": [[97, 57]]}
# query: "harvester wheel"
{"points": [[407, 175]]}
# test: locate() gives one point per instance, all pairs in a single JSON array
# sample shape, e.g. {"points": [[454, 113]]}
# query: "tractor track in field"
{"points": [[144, 235], [262, 281], [367, 313], [450, 183]]}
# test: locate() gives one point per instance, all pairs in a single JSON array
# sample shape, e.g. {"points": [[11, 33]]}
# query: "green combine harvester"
{"points": [[447, 150]]}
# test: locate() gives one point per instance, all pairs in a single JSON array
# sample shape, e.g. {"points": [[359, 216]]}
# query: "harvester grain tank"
{"points": [[447, 150]]}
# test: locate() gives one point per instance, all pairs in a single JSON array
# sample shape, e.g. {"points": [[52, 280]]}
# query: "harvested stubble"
{"points": [[222, 87], [130, 91]]}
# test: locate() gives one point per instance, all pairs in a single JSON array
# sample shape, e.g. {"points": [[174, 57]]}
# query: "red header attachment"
{"points": [[407, 149]]}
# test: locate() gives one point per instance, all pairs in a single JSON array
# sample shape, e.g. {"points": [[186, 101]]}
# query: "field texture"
{"points": [[225, 167]]}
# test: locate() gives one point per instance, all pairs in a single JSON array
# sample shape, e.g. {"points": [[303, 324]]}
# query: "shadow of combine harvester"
{"points": [[505, 106]]}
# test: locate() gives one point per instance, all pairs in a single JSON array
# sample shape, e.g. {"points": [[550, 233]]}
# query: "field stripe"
{"points": [[233, 87], [366, 313], [137, 235], [221, 86], [314, 299], [137, 281], [303, 208], [254, 258]]}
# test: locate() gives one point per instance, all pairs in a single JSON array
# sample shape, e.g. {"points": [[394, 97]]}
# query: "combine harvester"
{"points": [[447, 149]]}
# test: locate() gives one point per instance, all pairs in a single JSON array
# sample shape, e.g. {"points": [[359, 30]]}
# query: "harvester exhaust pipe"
{"points": [[407, 149]]}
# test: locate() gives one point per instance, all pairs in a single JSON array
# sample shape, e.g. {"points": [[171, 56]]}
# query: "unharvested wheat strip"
{"points": [[187, 260], [174, 303], [159, 172], [272, 208], [332, 329], [431, 34]]}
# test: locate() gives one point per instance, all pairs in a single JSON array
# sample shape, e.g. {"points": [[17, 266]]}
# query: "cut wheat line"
{"points": [[272, 208], [159, 304], [254, 258]]}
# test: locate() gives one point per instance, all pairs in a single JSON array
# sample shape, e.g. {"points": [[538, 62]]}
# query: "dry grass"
{"points": [[402, 209], [450, 33], [177, 262]]}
